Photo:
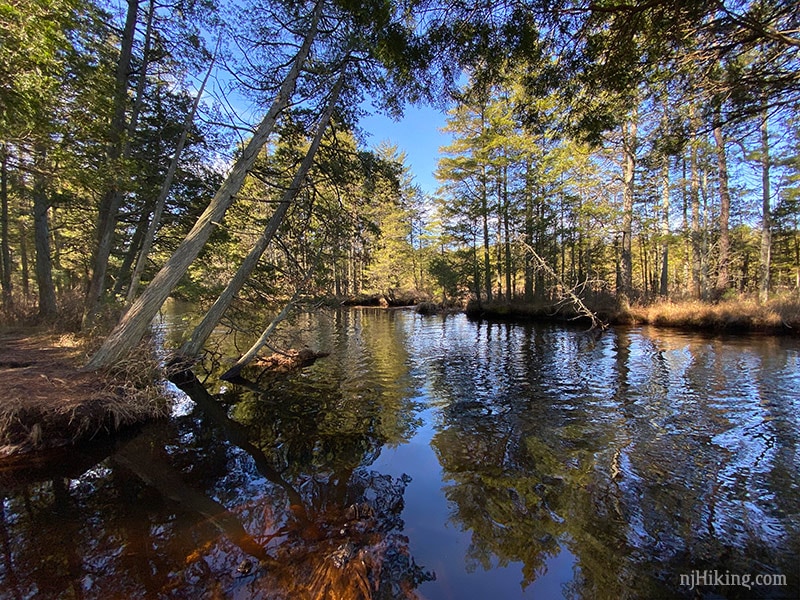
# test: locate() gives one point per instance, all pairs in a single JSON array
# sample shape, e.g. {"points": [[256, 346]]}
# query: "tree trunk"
{"points": [[337, 276], [133, 250], [487, 265], [628, 172], [200, 334], [540, 236], [694, 192], [724, 245], [112, 198], [134, 324], [476, 267], [500, 243], [796, 241], [664, 279], [41, 232], [507, 236], [23, 260], [251, 353], [529, 268], [766, 234], [163, 193], [5, 247]]}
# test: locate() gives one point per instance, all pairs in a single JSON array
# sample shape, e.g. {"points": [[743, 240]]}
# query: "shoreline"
{"points": [[740, 317], [51, 404]]}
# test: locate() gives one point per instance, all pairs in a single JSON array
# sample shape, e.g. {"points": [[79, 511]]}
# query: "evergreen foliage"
{"points": [[640, 150]]}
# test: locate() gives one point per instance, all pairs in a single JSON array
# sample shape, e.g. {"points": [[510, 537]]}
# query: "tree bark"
{"points": [[766, 229], [5, 248], [629, 130], [487, 266], [134, 324], [112, 198], [529, 268], [41, 232], [23, 260], [694, 192], [664, 279], [723, 260], [204, 329], [507, 236], [133, 249]]}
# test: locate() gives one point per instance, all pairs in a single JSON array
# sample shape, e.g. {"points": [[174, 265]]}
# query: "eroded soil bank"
{"points": [[48, 402]]}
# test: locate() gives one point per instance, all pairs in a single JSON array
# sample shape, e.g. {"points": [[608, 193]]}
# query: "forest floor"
{"points": [[48, 402]]}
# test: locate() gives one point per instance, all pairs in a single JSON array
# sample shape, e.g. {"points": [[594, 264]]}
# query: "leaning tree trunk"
{"points": [[200, 334], [132, 327], [251, 353]]}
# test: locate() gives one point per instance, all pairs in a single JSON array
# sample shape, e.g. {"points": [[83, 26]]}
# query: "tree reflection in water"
{"points": [[339, 535], [593, 468], [175, 512], [643, 457]]}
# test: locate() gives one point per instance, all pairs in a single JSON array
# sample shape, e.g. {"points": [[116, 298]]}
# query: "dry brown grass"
{"points": [[50, 402], [780, 315]]}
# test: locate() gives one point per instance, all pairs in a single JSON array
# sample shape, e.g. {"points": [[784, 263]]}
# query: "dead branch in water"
{"points": [[576, 301]]}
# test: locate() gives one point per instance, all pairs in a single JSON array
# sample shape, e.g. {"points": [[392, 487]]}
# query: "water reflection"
{"points": [[645, 454], [517, 461], [263, 491], [338, 530]]}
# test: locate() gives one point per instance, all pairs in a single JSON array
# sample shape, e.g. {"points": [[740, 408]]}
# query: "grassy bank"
{"points": [[49, 402], [779, 316]]}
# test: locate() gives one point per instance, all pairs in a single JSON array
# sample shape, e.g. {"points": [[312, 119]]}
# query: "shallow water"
{"points": [[439, 458]]}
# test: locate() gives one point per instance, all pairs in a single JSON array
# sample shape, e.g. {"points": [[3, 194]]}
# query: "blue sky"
{"points": [[418, 134]]}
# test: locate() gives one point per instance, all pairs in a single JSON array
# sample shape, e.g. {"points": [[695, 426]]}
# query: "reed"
{"points": [[779, 315]]}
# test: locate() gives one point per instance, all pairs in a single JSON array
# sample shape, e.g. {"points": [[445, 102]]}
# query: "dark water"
{"points": [[438, 458]]}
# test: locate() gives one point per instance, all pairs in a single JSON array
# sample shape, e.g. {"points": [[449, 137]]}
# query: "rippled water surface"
{"points": [[438, 458]]}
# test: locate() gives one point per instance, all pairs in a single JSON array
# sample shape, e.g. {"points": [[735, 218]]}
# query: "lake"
{"points": [[435, 457]]}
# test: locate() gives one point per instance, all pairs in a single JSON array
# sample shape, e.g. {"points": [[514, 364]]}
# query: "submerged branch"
{"points": [[248, 356]]}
